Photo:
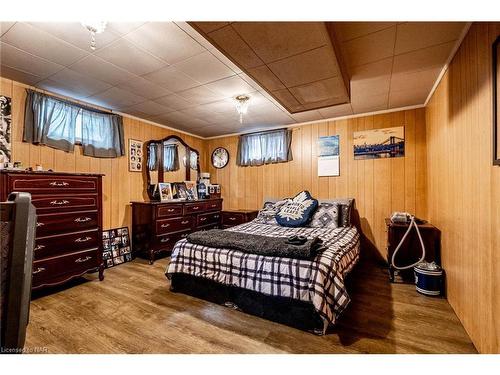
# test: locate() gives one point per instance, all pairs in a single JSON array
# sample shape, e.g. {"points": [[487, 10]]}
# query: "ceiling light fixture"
{"points": [[94, 27], [242, 102]]}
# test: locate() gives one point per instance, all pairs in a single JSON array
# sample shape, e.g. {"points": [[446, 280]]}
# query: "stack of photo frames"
{"points": [[116, 247]]}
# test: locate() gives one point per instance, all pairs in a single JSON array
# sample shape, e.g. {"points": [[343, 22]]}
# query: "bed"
{"points": [[307, 294]]}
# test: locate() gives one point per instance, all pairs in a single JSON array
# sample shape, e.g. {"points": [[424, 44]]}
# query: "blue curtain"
{"points": [[52, 121], [264, 148], [170, 158], [49, 121], [102, 134]]}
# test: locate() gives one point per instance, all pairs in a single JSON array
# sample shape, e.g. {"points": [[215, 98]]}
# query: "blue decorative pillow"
{"points": [[297, 212]]}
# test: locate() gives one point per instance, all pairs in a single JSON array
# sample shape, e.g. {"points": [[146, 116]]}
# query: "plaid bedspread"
{"points": [[319, 281]]}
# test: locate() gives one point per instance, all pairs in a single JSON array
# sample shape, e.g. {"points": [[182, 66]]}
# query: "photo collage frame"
{"points": [[116, 246]]}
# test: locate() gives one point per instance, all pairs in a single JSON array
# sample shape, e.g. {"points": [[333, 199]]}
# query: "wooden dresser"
{"points": [[157, 226], [231, 218], [69, 221]]}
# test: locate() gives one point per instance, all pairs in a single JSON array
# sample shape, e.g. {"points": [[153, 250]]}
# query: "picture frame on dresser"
{"points": [[69, 222]]}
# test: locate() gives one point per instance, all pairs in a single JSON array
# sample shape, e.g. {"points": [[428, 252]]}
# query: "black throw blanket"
{"points": [[255, 244]]}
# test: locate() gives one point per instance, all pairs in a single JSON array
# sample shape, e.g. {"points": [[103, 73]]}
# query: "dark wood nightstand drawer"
{"points": [[232, 218]]}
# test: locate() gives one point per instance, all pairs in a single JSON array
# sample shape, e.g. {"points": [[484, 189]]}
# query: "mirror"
{"points": [[170, 160]]}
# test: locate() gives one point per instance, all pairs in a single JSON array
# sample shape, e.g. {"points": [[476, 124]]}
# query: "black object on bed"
{"points": [[293, 247], [291, 312]]}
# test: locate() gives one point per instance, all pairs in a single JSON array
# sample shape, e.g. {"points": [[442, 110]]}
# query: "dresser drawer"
{"points": [[74, 263], [66, 243], [64, 202], [65, 222], [169, 210], [174, 225], [213, 206], [207, 219], [168, 241], [190, 208], [52, 184], [233, 218]]}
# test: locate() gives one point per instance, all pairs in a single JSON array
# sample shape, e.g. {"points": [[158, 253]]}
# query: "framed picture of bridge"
{"points": [[379, 143]]}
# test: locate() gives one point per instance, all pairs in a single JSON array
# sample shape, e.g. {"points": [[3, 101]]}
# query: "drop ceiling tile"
{"points": [[409, 97], [331, 89], [267, 77], [230, 87], [423, 59], [166, 41], [129, 57], [123, 28], [283, 39], [221, 106], [100, 69], [42, 44], [236, 47], [81, 84], [23, 61], [336, 111], [194, 34], [221, 57], [416, 35], [210, 131], [18, 75], [307, 116], [172, 79], [306, 67], [174, 101], [370, 48], [143, 87], [62, 89], [149, 108], [76, 34], [416, 80], [200, 95], [204, 68], [345, 31], [372, 79], [5, 26], [208, 27], [286, 97], [200, 111], [115, 98], [369, 103]]}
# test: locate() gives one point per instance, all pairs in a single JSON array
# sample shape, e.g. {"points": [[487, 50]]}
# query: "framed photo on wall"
{"points": [[496, 100], [5, 129], [135, 155]]}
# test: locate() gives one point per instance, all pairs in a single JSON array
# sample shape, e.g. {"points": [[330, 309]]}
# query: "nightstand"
{"points": [[230, 218], [411, 251]]}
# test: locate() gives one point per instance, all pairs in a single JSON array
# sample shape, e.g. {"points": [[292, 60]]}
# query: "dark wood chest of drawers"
{"points": [[69, 222], [230, 218], [157, 226]]}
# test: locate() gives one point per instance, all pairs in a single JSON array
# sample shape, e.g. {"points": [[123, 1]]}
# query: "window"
{"points": [[60, 124], [265, 148]]}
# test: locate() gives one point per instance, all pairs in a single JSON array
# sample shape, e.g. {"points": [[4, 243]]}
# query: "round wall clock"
{"points": [[220, 157]]}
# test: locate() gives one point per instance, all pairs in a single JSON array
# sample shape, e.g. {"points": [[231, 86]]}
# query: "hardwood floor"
{"points": [[133, 311]]}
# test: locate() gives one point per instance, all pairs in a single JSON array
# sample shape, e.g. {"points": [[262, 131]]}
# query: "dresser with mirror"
{"points": [[157, 225]]}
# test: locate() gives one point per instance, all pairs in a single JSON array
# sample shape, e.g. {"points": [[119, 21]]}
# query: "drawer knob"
{"points": [[184, 222], [216, 216], [83, 239], [82, 219], [59, 203], [58, 183], [170, 210], [196, 207], [232, 218], [82, 260], [38, 224], [203, 218], [38, 270], [38, 247], [165, 239], [165, 225]]}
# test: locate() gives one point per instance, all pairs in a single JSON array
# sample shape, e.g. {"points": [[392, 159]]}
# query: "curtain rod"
{"points": [[264, 131], [82, 106]]}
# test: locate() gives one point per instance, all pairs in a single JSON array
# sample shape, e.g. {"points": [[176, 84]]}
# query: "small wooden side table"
{"points": [[230, 218]]}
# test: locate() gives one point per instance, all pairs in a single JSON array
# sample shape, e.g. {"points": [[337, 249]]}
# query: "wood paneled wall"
{"points": [[379, 186], [119, 185], [464, 187]]}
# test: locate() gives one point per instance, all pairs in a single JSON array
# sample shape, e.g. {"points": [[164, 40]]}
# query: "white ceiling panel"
{"points": [[143, 87], [172, 79], [204, 68], [19, 75], [116, 98], [86, 86], [95, 67]]}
